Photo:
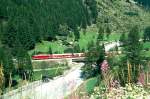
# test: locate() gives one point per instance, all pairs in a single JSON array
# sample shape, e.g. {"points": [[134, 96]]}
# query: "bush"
{"points": [[90, 84]]}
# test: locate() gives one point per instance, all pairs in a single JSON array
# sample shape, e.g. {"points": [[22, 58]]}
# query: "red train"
{"points": [[57, 56]]}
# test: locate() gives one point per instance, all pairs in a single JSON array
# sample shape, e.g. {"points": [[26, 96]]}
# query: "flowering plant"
{"points": [[104, 66], [106, 73], [137, 92]]}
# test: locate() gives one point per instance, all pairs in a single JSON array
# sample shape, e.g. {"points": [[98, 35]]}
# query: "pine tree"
{"points": [[8, 66], [101, 34], [25, 68], [50, 50], [77, 34], [133, 51], [9, 35], [147, 34], [36, 20], [123, 39], [77, 48], [83, 50], [101, 53], [108, 32], [94, 57]]}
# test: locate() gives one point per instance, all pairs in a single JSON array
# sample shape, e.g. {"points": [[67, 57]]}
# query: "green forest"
{"points": [[23, 23]]}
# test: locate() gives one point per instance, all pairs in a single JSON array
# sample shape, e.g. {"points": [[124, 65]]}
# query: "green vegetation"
{"points": [[29, 22], [118, 69], [94, 57], [47, 68], [113, 37], [30, 27], [49, 64], [146, 45], [146, 3], [27, 26], [90, 84], [43, 47], [87, 38], [120, 16], [147, 34], [53, 72]]}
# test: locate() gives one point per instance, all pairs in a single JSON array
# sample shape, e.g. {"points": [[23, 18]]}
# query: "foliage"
{"points": [[8, 65], [108, 31], [33, 21], [147, 34], [94, 57], [86, 39], [25, 69], [127, 92], [132, 52], [50, 50], [123, 39], [77, 48], [101, 55], [144, 2], [120, 15], [90, 84], [50, 73], [101, 34], [43, 47]]}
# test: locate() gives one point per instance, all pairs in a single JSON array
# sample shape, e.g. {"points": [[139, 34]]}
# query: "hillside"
{"points": [[146, 3], [112, 35], [30, 21], [121, 16]]}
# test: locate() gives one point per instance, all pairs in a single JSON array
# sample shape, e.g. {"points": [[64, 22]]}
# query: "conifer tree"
{"points": [[50, 50], [108, 32], [100, 33], [123, 39], [133, 51], [147, 34], [25, 68], [77, 48]]}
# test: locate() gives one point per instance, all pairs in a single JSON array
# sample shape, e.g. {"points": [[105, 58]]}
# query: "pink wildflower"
{"points": [[114, 84], [104, 66], [141, 79]]}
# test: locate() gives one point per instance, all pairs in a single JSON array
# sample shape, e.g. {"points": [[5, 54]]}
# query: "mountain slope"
{"points": [[120, 15]]}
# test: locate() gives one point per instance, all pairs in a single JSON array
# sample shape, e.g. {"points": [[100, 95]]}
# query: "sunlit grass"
{"points": [[146, 45], [43, 47], [87, 38]]}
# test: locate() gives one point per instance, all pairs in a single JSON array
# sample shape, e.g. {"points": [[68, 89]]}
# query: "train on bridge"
{"points": [[57, 56]]}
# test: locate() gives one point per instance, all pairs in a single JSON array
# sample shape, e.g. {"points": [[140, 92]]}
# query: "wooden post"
{"points": [[129, 75], [10, 80], [147, 78], [147, 73], [1, 77]]}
